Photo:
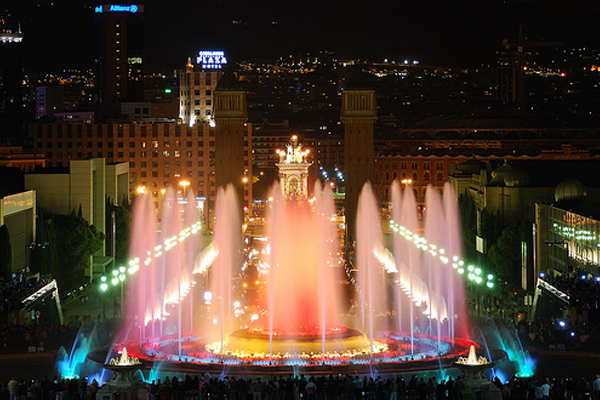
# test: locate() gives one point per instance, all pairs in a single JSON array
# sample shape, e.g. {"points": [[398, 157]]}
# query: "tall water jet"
{"points": [[368, 239], [303, 290], [228, 241]]}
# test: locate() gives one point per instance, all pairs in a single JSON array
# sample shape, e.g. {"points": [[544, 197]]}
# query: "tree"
{"points": [[74, 241], [506, 254], [5, 252], [123, 231]]}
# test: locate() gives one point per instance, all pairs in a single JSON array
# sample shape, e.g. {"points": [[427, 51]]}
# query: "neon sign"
{"points": [[133, 8], [211, 59]]}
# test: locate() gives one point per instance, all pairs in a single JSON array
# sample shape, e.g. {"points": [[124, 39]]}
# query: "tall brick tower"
{"points": [[230, 115], [359, 113]]}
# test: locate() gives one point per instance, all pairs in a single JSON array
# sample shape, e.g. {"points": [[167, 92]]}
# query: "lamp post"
{"points": [[184, 185]]}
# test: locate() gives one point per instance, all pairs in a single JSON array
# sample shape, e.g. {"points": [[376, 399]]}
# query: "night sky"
{"points": [[58, 34]]}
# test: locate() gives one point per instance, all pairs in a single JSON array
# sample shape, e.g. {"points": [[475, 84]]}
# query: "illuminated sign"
{"points": [[211, 59], [133, 8]]}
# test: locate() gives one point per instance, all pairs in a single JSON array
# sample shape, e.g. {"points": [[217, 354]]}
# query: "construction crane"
{"points": [[515, 92]]}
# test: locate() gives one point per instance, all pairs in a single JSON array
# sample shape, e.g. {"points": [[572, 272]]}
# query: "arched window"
{"points": [[415, 177], [439, 177], [426, 177]]}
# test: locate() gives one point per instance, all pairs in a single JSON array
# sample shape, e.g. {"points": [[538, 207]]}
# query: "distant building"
{"points": [[159, 154], [76, 117], [11, 83], [18, 213], [86, 184], [358, 114], [14, 156], [197, 84], [119, 43], [49, 100], [233, 162]]}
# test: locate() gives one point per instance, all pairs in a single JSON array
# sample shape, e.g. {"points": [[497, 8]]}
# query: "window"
{"points": [[155, 174], [439, 177], [197, 92], [426, 165], [132, 144], [426, 177], [200, 153], [439, 166], [415, 177], [414, 165], [144, 164], [403, 165], [196, 102], [200, 143], [208, 92], [132, 154], [208, 102]]}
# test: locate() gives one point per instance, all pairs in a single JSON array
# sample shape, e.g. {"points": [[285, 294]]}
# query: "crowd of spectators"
{"points": [[580, 329], [340, 387], [17, 288]]}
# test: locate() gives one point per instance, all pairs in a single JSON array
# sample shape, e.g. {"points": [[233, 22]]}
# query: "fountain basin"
{"points": [[347, 341]]}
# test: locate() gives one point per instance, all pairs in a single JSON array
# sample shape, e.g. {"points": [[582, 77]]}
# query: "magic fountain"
{"points": [[305, 307]]}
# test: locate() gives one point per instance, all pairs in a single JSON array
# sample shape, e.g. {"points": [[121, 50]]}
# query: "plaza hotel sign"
{"points": [[120, 8], [211, 59]]}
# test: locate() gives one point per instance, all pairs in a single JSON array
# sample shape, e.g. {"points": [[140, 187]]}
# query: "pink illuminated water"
{"points": [[301, 289], [303, 278], [228, 241]]}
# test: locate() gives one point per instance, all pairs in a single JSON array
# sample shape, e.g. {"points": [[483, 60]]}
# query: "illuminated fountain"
{"points": [[283, 300], [124, 380], [476, 386]]}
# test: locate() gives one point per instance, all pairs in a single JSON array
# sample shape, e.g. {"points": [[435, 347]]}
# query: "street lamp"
{"points": [[184, 184]]}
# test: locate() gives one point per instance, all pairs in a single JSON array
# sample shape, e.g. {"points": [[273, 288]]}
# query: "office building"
{"points": [[11, 83], [119, 43]]}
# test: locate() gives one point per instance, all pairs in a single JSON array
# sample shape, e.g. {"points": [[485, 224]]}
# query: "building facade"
{"points": [[119, 45], [11, 86], [85, 185], [159, 155], [197, 84]]}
